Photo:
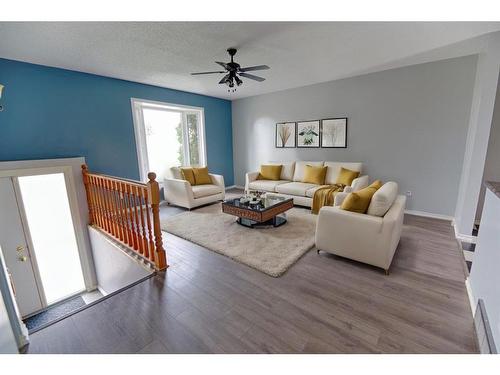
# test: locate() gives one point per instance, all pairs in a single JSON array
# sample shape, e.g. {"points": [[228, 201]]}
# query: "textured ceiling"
{"points": [[163, 54]]}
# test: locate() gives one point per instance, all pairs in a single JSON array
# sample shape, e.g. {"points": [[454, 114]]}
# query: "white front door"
{"points": [[16, 251]]}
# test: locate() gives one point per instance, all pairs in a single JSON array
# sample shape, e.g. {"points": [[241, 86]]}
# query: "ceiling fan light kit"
{"points": [[233, 72]]}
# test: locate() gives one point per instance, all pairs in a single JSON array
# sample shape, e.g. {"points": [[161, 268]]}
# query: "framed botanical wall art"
{"points": [[334, 133], [308, 133], [285, 134]]}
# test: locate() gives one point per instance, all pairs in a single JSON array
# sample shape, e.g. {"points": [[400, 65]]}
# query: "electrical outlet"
{"points": [[408, 193]]}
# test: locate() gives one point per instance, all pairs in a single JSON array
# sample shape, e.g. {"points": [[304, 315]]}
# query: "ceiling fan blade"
{"points": [[224, 65], [218, 72], [251, 76], [257, 67], [224, 79]]}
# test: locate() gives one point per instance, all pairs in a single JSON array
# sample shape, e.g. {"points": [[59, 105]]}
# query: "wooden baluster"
{"points": [[131, 218], [85, 173], [116, 200], [124, 202], [112, 212], [154, 192], [137, 205], [133, 195], [150, 230], [140, 193], [107, 226], [98, 205], [126, 227], [105, 206]]}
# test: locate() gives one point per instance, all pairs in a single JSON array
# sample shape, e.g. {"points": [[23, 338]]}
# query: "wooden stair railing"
{"points": [[128, 211]]}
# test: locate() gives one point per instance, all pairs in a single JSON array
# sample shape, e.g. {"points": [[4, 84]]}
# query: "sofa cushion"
{"points": [[360, 200], [200, 191], [201, 176], [346, 176], [314, 175], [300, 167], [266, 185], [310, 192], [295, 188], [270, 172], [333, 170], [383, 199], [287, 169], [175, 172], [188, 175]]}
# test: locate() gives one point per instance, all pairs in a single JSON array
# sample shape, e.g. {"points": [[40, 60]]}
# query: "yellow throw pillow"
{"points": [[270, 172], [314, 175], [201, 176], [346, 176], [360, 200], [188, 175]]}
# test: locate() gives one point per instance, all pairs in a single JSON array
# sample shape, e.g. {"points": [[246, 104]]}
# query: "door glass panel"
{"points": [[164, 140], [50, 224]]}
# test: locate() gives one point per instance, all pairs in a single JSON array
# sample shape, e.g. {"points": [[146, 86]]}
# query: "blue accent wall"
{"points": [[54, 113]]}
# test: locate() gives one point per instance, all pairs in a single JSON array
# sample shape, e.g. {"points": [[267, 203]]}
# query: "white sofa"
{"points": [[289, 185], [370, 238], [179, 192]]}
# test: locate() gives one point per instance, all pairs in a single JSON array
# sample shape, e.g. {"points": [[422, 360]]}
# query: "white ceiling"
{"points": [[163, 54]]}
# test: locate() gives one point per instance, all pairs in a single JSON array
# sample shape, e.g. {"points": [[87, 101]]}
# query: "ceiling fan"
{"points": [[234, 71]]}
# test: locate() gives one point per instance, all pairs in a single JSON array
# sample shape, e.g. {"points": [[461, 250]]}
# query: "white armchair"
{"points": [[365, 238], [180, 192]]}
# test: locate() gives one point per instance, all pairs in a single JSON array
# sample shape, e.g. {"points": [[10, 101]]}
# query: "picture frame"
{"points": [[285, 135], [334, 132], [308, 134]]}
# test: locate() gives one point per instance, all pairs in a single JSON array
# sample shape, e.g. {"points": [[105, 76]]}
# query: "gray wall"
{"points": [[492, 164], [408, 125]]}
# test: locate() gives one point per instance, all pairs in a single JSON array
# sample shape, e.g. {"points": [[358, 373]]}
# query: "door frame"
{"points": [[71, 169]]}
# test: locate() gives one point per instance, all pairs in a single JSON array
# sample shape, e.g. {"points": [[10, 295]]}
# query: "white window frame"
{"points": [[140, 132]]}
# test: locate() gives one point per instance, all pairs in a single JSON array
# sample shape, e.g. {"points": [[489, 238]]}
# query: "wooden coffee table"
{"points": [[270, 211]]}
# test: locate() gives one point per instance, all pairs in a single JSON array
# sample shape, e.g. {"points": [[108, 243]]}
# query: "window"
{"points": [[167, 135]]}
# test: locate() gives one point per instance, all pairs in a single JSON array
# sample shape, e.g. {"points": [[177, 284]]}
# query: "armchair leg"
{"points": [[317, 250], [386, 272]]}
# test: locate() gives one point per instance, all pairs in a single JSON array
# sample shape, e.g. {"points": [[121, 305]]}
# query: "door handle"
{"points": [[20, 248]]}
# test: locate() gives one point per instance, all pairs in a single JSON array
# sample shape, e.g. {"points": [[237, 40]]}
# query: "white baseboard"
{"points": [[471, 296], [463, 237], [429, 214], [235, 187], [458, 236]]}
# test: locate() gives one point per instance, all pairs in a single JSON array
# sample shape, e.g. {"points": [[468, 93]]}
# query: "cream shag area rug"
{"points": [[269, 250]]}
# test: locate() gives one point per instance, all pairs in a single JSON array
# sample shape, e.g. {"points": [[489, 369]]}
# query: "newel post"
{"points": [[85, 175], [154, 193]]}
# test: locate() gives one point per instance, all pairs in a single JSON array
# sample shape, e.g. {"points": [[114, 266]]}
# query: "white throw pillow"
{"points": [[383, 199], [175, 172]]}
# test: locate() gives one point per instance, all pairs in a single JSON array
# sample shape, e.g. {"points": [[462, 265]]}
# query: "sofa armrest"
{"points": [[342, 221], [250, 177], [360, 183], [178, 192], [218, 179]]}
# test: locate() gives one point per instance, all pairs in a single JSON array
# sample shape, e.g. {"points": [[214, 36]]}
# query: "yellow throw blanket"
{"points": [[324, 196]]}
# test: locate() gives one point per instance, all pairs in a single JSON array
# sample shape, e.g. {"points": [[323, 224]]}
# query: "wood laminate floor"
{"points": [[207, 303]]}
